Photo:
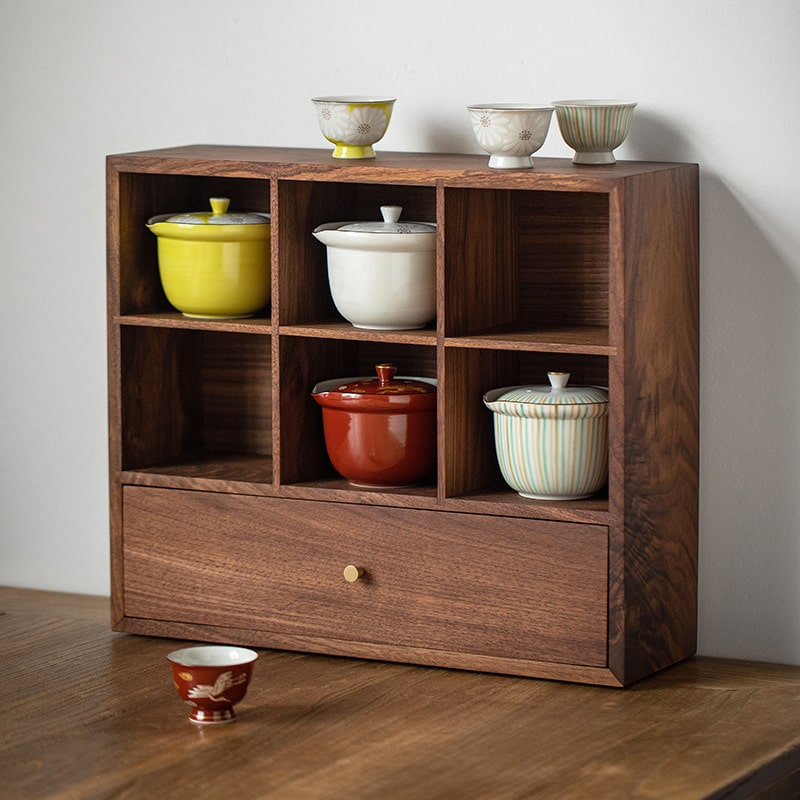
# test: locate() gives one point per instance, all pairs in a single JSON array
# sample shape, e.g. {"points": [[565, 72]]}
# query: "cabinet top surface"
{"points": [[317, 163]]}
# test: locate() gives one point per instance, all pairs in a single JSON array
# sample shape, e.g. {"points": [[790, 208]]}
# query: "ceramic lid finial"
{"points": [[391, 213], [385, 374], [219, 205]]}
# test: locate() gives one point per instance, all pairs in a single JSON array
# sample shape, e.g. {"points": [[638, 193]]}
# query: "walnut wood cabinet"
{"points": [[228, 522]]}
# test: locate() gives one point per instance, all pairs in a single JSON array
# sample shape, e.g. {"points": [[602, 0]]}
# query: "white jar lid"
{"points": [[217, 216], [391, 224]]}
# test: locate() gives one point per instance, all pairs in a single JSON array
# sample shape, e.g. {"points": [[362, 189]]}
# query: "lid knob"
{"points": [[558, 380], [391, 213], [385, 374], [219, 205]]}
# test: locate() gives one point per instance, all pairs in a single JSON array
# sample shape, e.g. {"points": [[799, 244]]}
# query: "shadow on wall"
{"points": [[655, 138], [439, 135], [749, 420], [750, 436]]}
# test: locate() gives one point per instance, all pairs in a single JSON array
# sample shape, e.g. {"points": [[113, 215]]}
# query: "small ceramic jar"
{"points": [[214, 264], [382, 275], [551, 441], [380, 432]]}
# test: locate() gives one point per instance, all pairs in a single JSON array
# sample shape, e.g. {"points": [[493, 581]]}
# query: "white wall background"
{"points": [[717, 83]]}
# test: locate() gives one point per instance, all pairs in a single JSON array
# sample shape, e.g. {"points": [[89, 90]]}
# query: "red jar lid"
{"points": [[386, 383], [380, 392]]}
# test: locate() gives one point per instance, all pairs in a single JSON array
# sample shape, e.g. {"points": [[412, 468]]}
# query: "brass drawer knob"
{"points": [[352, 573]]}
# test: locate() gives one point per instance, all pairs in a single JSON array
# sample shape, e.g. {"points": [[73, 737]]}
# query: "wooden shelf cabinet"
{"points": [[228, 522]]}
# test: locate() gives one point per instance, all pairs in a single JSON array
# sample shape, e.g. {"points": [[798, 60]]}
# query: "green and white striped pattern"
{"points": [[594, 125], [551, 441], [550, 459]]}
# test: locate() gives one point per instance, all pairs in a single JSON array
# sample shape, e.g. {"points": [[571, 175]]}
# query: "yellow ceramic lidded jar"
{"points": [[214, 264]]}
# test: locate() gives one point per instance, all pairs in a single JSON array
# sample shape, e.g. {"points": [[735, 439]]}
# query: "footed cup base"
{"points": [[217, 716], [599, 157], [353, 151]]}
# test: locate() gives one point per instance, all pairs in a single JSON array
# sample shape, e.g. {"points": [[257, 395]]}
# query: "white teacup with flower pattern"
{"points": [[353, 123], [510, 132]]}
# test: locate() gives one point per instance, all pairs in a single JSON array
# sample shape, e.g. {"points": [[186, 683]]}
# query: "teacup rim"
{"points": [[212, 656], [510, 107], [351, 99], [595, 103]]}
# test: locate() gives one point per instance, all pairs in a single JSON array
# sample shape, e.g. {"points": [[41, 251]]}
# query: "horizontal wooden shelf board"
{"points": [[167, 481], [424, 169], [504, 502], [344, 330], [337, 490], [245, 474], [260, 325], [253, 477], [583, 340]]}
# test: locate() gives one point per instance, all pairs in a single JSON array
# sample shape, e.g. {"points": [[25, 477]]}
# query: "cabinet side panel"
{"points": [[114, 398], [661, 421]]}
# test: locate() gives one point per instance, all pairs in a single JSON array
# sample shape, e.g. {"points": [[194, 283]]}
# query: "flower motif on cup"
{"points": [[509, 133], [333, 119], [352, 124], [366, 125]]}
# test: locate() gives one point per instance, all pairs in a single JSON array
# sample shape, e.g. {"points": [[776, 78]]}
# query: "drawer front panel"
{"points": [[468, 583]]}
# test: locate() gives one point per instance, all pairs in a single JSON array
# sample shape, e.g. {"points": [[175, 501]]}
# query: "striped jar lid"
{"points": [[556, 400]]}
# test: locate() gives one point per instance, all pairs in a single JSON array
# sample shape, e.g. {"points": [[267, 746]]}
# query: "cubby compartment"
{"points": [[531, 266], [471, 470], [303, 290], [144, 195], [305, 362], [196, 404]]}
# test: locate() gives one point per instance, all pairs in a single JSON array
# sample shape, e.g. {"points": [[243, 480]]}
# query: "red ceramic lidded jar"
{"points": [[380, 432]]}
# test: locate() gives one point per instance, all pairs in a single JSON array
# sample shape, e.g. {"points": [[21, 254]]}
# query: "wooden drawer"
{"points": [[496, 586]]}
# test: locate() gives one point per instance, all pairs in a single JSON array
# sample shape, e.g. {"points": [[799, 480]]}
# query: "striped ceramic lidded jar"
{"points": [[551, 441]]}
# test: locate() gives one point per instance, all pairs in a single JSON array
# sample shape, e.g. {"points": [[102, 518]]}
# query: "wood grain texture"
{"points": [[562, 258], [588, 271], [316, 164], [480, 275], [103, 721], [661, 430], [502, 585], [467, 440], [185, 393]]}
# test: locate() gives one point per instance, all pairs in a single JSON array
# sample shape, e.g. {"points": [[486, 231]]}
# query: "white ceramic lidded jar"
{"points": [[382, 275], [551, 441]]}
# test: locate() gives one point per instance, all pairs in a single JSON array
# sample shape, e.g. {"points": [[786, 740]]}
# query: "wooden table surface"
{"points": [[87, 713]]}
